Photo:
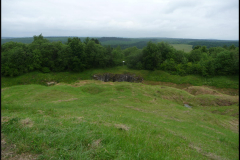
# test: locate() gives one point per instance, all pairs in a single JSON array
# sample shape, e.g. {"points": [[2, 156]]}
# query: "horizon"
{"points": [[3, 37], [187, 19]]}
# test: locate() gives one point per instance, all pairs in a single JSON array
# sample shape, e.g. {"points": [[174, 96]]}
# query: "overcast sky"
{"points": [[198, 19]]}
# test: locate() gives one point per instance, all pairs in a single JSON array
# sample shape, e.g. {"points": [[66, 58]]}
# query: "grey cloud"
{"points": [[123, 18]]}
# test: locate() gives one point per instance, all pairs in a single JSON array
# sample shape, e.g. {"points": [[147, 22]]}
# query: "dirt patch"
{"points": [[234, 125], [72, 99], [209, 155], [207, 135], [199, 100], [26, 122], [122, 127], [8, 152], [235, 115], [84, 82], [122, 97], [112, 99], [96, 143], [230, 112], [223, 102], [4, 89], [228, 91], [5, 119], [80, 119], [111, 83], [40, 111], [198, 149], [136, 109], [179, 86], [212, 129], [80, 83], [175, 119], [213, 156], [177, 98], [196, 90]]}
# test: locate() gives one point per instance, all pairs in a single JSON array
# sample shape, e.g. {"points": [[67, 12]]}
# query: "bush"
{"points": [[45, 70]]}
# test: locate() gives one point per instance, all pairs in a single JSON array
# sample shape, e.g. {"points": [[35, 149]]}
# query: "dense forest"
{"points": [[140, 43], [78, 55]]}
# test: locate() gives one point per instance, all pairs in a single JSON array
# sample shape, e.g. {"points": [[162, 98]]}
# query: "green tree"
{"points": [[169, 65], [78, 60], [134, 60], [227, 63], [232, 47], [166, 50], [151, 56], [130, 50], [117, 56], [195, 55], [95, 40], [86, 40]]}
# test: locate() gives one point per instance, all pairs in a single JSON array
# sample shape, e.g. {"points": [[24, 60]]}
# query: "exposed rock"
{"points": [[186, 105], [106, 77], [50, 83]]}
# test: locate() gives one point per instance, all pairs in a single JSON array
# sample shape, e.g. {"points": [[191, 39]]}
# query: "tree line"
{"points": [[201, 60], [214, 43], [42, 55]]}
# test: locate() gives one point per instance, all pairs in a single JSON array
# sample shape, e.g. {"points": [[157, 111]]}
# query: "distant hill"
{"points": [[130, 42]]}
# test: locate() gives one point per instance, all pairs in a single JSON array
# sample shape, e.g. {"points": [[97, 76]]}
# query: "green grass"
{"points": [[96, 120], [148, 76], [184, 47]]}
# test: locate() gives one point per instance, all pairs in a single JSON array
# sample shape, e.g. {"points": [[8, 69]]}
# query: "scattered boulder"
{"points": [[186, 105], [51, 83]]}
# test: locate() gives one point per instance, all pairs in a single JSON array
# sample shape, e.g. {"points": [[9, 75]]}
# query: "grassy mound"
{"points": [[150, 77], [105, 120]]}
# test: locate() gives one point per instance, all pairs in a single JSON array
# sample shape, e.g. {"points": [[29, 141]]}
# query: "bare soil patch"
{"points": [[72, 99], [26, 122], [234, 125], [5, 119], [228, 91], [84, 82], [96, 143], [209, 155], [4, 89], [122, 127], [169, 84], [8, 152], [196, 90]]}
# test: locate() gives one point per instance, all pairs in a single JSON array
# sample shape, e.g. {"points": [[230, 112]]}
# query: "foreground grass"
{"points": [[96, 120], [231, 82]]}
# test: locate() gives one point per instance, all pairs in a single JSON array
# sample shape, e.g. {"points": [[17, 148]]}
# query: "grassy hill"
{"points": [[178, 43], [79, 118]]}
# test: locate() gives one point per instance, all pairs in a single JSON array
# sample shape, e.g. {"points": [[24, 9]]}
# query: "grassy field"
{"points": [[184, 47], [80, 118], [96, 120]]}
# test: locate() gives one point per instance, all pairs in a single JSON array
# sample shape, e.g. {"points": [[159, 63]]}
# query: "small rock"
{"points": [[186, 105]]}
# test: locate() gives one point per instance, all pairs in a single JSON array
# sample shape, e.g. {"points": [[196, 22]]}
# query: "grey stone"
{"points": [[186, 105], [106, 77]]}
